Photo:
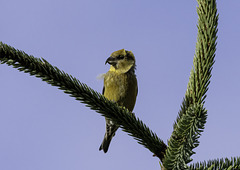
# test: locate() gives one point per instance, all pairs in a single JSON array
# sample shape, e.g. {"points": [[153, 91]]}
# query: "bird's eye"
{"points": [[120, 57]]}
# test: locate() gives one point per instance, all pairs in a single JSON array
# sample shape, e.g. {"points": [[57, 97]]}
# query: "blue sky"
{"points": [[42, 128]]}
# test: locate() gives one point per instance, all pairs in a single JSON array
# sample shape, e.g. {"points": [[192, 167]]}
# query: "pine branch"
{"points": [[192, 115], [232, 164], [70, 85], [185, 137]]}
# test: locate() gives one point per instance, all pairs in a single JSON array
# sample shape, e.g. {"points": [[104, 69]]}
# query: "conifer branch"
{"points": [[233, 163], [80, 91], [192, 115]]}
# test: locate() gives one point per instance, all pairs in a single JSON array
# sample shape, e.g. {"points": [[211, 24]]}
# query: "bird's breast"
{"points": [[121, 88]]}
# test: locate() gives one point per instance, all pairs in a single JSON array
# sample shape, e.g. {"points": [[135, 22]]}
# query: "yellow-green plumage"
{"points": [[121, 88], [120, 85]]}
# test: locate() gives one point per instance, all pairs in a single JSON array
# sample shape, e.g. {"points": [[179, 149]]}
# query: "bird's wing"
{"points": [[103, 90]]}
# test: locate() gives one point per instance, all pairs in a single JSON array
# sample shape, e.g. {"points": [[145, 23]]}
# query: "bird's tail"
{"points": [[105, 143], [111, 129]]}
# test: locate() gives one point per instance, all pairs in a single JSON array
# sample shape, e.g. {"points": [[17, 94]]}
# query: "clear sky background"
{"points": [[42, 128]]}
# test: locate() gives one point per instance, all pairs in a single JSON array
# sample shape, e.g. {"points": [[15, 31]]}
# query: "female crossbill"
{"points": [[120, 85]]}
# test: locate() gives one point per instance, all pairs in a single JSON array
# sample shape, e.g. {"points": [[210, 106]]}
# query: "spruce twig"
{"points": [[80, 91], [233, 164], [192, 116]]}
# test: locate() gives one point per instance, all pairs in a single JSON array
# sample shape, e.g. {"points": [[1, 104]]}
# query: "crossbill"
{"points": [[120, 86]]}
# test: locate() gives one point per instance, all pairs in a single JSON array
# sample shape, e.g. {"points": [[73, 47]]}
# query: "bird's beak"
{"points": [[111, 61]]}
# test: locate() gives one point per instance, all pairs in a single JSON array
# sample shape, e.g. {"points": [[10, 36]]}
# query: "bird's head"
{"points": [[121, 61]]}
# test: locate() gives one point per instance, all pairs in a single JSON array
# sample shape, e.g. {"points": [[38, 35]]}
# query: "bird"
{"points": [[120, 86]]}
